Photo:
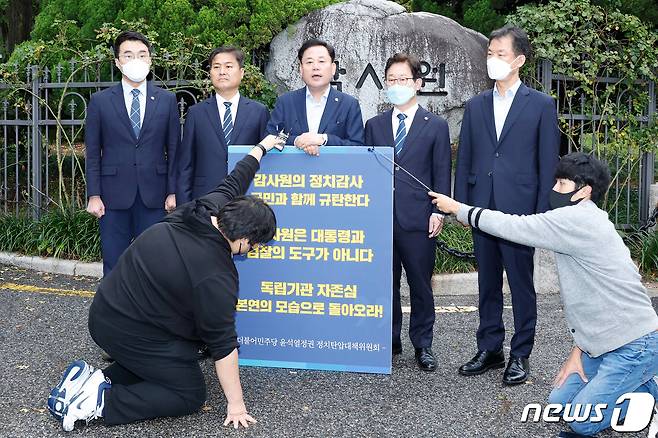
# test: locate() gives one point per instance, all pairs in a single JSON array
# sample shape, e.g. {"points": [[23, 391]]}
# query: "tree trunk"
{"points": [[20, 18]]}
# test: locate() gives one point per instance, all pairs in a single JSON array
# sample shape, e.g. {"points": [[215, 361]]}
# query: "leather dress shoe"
{"points": [[425, 359], [484, 360], [517, 371]]}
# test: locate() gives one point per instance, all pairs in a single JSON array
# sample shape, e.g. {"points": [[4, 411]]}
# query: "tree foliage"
{"points": [[250, 24], [486, 15], [481, 16], [183, 32], [584, 43]]}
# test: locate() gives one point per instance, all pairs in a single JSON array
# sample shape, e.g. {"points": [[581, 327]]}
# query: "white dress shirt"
{"points": [[128, 99], [410, 113], [502, 105], [222, 108], [315, 109]]}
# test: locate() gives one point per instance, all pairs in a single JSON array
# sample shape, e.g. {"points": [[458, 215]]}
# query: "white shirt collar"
{"points": [[410, 112], [127, 88], [234, 100], [511, 92], [325, 95]]}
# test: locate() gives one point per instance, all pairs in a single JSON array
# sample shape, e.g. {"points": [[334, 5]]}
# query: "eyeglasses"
{"points": [[142, 56], [399, 81]]}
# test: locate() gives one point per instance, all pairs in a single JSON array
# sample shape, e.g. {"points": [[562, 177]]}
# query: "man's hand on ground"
{"points": [[237, 414]]}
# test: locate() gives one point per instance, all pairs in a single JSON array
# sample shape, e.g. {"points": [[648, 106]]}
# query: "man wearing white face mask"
{"points": [[422, 146], [132, 132], [508, 151]]}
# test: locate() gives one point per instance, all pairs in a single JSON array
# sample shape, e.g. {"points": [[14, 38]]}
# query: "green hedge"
{"points": [[68, 234], [74, 234]]}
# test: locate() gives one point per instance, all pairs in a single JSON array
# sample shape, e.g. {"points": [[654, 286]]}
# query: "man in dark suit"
{"points": [[224, 119], [422, 146], [131, 136], [508, 151], [317, 114]]}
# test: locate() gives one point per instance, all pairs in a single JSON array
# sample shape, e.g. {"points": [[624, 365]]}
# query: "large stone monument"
{"points": [[366, 32]]}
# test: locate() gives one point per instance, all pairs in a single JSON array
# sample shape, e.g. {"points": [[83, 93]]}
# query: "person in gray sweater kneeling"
{"points": [[610, 316]]}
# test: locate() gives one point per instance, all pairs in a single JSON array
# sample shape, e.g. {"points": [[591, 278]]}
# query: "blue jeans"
{"points": [[629, 368]]}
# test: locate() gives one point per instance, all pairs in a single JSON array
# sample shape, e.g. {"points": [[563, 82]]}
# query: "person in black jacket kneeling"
{"points": [[174, 290]]}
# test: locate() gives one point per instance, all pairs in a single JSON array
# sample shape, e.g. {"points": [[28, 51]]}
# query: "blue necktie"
{"points": [[227, 124], [401, 134], [134, 112]]}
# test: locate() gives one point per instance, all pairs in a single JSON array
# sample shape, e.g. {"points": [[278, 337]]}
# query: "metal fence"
{"points": [[42, 132], [42, 149], [628, 198]]}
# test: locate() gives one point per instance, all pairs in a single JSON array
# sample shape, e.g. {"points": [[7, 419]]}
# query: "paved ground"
{"points": [[41, 331]]}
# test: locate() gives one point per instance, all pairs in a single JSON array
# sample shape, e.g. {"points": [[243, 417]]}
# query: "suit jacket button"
{"points": [[397, 168], [490, 173], [497, 155]]}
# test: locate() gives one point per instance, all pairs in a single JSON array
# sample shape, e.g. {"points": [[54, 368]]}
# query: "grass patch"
{"points": [[68, 234], [644, 250], [459, 238]]}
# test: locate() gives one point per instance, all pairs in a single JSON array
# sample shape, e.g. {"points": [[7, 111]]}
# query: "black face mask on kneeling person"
{"points": [[557, 199]]}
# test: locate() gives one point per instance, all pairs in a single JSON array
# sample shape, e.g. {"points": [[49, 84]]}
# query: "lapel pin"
{"points": [[426, 118], [152, 98], [336, 99]]}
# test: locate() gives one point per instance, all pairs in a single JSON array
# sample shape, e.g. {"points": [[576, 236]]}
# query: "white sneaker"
{"points": [[653, 426], [60, 396], [89, 401]]}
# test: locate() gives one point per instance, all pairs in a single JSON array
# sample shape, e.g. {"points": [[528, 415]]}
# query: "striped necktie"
{"points": [[227, 124], [401, 134], [134, 113]]}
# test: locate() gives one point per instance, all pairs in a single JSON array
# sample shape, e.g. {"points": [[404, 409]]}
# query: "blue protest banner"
{"points": [[319, 295]]}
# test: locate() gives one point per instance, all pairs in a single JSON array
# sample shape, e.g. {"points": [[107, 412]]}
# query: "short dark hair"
{"points": [[412, 61], [585, 170], [313, 42], [239, 54], [130, 36], [247, 217], [520, 41]]}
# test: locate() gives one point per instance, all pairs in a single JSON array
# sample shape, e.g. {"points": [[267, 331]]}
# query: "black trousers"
{"points": [[150, 378], [492, 255], [118, 228], [416, 252]]}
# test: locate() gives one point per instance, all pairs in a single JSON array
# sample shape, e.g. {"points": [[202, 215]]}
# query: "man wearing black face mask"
{"points": [[174, 289], [610, 316]]}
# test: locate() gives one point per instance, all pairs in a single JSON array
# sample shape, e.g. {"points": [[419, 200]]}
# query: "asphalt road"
{"points": [[43, 328]]}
